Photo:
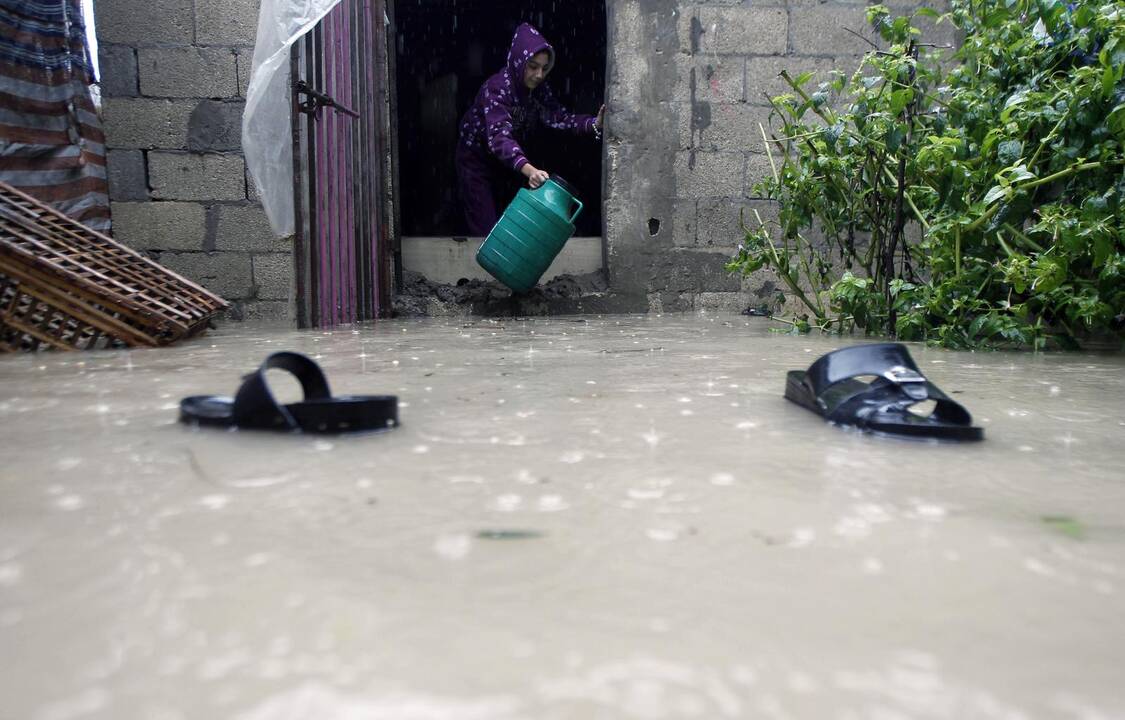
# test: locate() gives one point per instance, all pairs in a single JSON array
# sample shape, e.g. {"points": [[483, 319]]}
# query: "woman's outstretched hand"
{"points": [[535, 176], [599, 123]]}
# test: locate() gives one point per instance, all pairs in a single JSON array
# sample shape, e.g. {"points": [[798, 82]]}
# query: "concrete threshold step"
{"points": [[447, 259]]}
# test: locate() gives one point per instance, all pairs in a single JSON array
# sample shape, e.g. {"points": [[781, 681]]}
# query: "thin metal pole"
{"points": [[367, 236], [392, 221], [298, 185], [371, 160], [328, 310], [315, 49], [359, 167], [359, 98], [339, 174], [348, 47]]}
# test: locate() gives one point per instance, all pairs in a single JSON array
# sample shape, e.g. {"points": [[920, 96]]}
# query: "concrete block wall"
{"points": [[688, 87], [174, 76]]}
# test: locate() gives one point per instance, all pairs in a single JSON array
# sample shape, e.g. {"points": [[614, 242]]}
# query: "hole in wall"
{"points": [[653, 226]]}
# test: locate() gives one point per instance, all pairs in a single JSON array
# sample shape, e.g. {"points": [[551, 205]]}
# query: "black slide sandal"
{"points": [[830, 389], [254, 407]]}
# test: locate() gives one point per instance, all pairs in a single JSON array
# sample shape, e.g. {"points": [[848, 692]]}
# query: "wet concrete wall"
{"points": [[174, 77], [687, 88]]}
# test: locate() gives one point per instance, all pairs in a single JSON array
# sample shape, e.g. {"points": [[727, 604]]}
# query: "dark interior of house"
{"points": [[445, 50]]}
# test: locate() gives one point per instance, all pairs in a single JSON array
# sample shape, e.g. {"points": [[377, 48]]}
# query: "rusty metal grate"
{"points": [[65, 286]]}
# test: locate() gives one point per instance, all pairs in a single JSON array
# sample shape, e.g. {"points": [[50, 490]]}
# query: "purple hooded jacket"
{"points": [[504, 109]]}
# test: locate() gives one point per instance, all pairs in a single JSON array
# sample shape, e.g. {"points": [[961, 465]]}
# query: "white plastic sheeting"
{"points": [[266, 130]]}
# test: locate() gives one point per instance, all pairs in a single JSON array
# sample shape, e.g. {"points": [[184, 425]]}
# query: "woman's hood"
{"points": [[527, 42]]}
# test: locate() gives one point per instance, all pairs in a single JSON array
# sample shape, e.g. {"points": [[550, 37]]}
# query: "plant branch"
{"points": [[1067, 172], [866, 40]]}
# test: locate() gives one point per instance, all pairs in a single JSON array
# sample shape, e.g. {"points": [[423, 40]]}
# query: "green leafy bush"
{"points": [[982, 206]]}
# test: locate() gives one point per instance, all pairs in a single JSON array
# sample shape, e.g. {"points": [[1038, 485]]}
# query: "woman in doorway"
{"points": [[508, 107]]}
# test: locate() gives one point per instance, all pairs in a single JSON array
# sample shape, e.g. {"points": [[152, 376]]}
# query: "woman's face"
{"points": [[535, 71]]}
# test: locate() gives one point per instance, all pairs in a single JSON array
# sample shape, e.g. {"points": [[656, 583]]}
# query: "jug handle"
{"points": [[580, 206]]}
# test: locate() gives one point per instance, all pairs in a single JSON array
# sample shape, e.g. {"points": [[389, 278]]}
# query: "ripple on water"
{"points": [[317, 700], [1075, 416], [647, 688]]}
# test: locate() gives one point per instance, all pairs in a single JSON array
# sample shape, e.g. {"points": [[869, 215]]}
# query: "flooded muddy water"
{"points": [[599, 517]]}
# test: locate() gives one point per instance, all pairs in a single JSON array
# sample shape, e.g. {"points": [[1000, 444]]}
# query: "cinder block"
{"points": [[646, 26], [188, 72], [730, 127], [146, 123], [252, 193], [627, 25], [619, 223], [823, 30], [630, 76], [720, 222], [721, 302], [708, 174], [688, 3], [761, 287], [226, 22], [118, 67], [126, 174], [215, 125], [143, 23], [245, 228], [273, 276], [763, 79], [226, 274], [685, 227], [176, 176], [757, 169], [723, 222], [716, 79], [688, 30], [243, 60], [159, 225], [766, 210], [692, 270], [737, 31], [643, 169], [269, 311]]}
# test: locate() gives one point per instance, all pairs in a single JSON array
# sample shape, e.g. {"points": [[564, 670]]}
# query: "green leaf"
{"points": [[1049, 274], [997, 191], [900, 99], [1013, 102], [895, 136], [1103, 248], [1083, 16], [1009, 151], [1020, 172]]}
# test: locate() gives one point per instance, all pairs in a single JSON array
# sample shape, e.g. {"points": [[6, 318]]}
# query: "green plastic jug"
{"points": [[530, 233]]}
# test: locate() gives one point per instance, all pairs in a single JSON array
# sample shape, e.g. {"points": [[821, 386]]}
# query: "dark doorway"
{"points": [[445, 49]]}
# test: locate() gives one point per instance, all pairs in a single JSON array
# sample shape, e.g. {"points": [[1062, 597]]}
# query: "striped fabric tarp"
{"points": [[51, 141]]}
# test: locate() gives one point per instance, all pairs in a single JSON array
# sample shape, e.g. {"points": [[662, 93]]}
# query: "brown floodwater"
{"points": [[600, 517]]}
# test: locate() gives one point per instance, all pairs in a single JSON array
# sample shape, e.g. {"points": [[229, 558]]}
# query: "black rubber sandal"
{"points": [[254, 407], [830, 389]]}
